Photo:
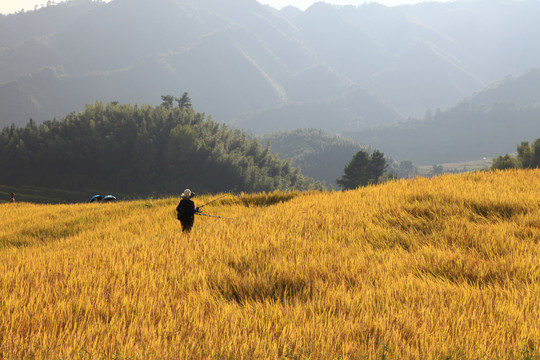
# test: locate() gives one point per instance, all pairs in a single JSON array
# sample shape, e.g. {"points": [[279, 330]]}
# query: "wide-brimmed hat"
{"points": [[187, 194]]}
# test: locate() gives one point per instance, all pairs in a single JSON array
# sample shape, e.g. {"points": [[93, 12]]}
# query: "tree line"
{"points": [[142, 150], [528, 157]]}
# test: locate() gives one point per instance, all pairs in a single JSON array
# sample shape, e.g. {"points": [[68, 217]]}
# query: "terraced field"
{"points": [[442, 268]]}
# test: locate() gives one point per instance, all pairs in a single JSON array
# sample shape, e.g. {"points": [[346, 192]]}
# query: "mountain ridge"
{"points": [[242, 61]]}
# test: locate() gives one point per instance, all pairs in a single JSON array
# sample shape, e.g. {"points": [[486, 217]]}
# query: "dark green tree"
{"points": [[356, 172], [377, 166], [528, 157], [535, 150], [184, 102], [504, 162], [167, 101], [524, 155], [363, 170]]}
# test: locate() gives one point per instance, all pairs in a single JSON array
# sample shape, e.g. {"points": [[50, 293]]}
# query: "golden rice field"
{"points": [[442, 268]]}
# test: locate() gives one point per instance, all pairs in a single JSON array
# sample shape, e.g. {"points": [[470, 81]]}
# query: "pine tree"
{"points": [[363, 170], [356, 172]]}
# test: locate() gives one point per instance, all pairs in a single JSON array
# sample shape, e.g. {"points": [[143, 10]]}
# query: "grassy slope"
{"points": [[431, 269]]}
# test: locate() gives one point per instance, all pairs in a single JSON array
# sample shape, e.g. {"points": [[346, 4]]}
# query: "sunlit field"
{"points": [[442, 268]]}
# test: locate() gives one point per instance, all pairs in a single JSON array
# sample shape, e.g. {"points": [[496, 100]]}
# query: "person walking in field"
{"points": [[186, 210], [12, 198]]}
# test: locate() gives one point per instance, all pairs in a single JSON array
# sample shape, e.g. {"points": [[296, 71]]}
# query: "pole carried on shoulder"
{"points": [[198, 212], [214, 216], [213, 201]]}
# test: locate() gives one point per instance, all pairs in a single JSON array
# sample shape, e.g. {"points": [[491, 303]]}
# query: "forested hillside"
{"points": [[141, 150], [319, 155], [239, 59]]}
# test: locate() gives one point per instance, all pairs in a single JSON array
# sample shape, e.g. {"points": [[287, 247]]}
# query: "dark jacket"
{"points": [[186, 210]]}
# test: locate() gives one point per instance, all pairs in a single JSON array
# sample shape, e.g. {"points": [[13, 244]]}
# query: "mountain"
{"points": [[353, 110], [521, 90], [489, 123], [16, 29], [492, 37], [340, 43], [337, 68], [222, 56], [434, 78]]}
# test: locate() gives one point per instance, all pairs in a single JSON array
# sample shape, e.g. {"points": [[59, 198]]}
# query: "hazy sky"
{"points": [[10, 6]]}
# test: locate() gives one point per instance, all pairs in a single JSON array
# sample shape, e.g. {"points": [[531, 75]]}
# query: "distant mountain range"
{"points": [[489, 123], [342, 69]]}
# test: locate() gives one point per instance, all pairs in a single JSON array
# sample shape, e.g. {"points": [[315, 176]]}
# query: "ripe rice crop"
{"points": [[442, 268]]}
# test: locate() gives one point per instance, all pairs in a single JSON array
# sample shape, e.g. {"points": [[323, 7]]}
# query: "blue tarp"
{"points": [[96, 198], [109, 198]]}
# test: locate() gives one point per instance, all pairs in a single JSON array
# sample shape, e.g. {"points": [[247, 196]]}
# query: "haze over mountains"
{"points": [[342, 69]]}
